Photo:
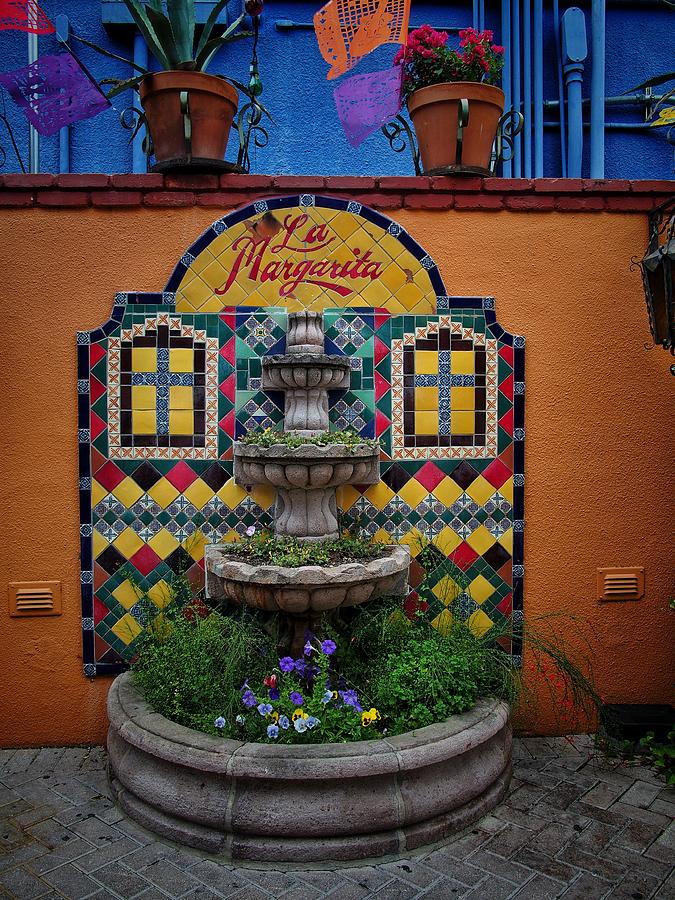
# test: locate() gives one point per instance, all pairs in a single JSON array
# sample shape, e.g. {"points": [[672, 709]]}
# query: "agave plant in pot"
{"points": [[188, 112], [444, 88]]}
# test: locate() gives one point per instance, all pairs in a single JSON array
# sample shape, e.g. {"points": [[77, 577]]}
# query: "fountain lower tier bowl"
{"points": [[303, 371], [304, 590]]}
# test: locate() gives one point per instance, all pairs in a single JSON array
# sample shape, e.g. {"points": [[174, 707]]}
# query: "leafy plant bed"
{"points": [[269, 438], [298, 804], [265, 548]]}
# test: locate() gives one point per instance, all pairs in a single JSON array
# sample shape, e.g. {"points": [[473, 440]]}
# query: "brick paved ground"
{"points": [[573, 826]]}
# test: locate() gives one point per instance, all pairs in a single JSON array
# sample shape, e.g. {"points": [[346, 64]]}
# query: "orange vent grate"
{"points": [[37, 598], [621, 584]]}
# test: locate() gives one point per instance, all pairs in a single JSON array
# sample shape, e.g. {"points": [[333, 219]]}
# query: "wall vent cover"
{"points": [[35, 598], [621, 584]]}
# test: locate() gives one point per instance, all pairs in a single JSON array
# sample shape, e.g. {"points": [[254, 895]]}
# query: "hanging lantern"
{"points": [[658, 271]]}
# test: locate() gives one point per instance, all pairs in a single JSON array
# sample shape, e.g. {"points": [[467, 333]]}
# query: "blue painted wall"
{"points": [[306, 137]]}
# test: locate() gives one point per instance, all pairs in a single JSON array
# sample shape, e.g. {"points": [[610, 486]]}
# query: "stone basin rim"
{"points": [[394, 559], [307, 452], [313, 360]]}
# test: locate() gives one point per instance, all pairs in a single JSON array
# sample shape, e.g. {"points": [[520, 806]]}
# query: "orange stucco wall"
{"points": [[599, 425]]}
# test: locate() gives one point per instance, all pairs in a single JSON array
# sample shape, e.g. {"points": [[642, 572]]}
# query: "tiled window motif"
{"points": [[444, 390], [162, 396]]}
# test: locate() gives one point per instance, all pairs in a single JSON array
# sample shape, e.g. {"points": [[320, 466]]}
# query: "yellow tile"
{"points": [[415, 540], [345, 225], [180, 397], [480, 540], [199, 493], [422, 280], [193, 295], [447, 540], [128, 542], [163, 543], [381, 537], [481, 490], [426, 398], [426, 362], [126, 628], [181, 359], [462, 362], [126, 594], [144, 396], [98, 492], [379, 494], [443, 622], [144, 359], [447, 491], [412, 492], [204, 259], [480, 589], [347, 497], [462, 398], [264, 495], [214, 273], [144, 421], [163, 492], [99, 543], [375, 293], [426, 422], [160, 594], [181, 421], [230, 538], [462, 422], [506, 490], [393, 277], [446, 590], [506, 540], [128, 492], [409, 296], [479, 623], [231, 494], [195, 545]]}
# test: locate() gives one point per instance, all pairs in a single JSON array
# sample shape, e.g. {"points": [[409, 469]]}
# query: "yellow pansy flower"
{"points": [[299, 713]]}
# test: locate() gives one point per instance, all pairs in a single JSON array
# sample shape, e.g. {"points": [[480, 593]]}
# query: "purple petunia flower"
{"points": [[264, 709], [308, 649], [286, 664], [300, 666], [328, 647], [351, 698], [296, 698], [274, 693], [248, 698]]}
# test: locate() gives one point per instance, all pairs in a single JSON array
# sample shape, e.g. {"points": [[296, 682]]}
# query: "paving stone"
{"points": [[467, 843], [95, 831], [545, 864], [5, 757], [637, 835], [612, 816], [67, 852], [10, 810], [33, 816], [371, 877], [516, 817], [11, 837], [596, 836], [512, 838], [169, 878], [637, 862], [249, 892], [540, 888], [587, 887], [412, 871], [552, 838], [104, 855], [97, 807], [448, 865], [21, 855], [667, 889], [641, 793], [135, 831], [635, 887], [580, 778], [603, 868], [71, 882], [221, 878], [492, 889], [603, 795], [203, 893], [664, 807], [565, 794], [491, 824], [75, 790], [398, 890], [497, 865], [19, 761], [121, 880], [526, 797], [642, 815], [23, 885]]}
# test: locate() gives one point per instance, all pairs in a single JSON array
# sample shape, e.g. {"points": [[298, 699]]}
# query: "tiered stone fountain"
{"points": [[265, 803], [306, 479]]}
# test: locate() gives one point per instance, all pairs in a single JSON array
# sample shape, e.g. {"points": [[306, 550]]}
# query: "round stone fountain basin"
{"points": [[308, 467], [305, 589], [295, 371], [314, 803]]}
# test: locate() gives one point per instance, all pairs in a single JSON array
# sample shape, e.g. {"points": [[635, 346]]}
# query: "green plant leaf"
{"points": [[121, 86], [652, 82], [209, 26], [104, 52], [182, 19], [165, 36], [211, 47], [139, 14]]}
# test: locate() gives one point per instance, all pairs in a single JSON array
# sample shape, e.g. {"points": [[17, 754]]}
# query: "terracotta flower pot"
{"points": [[434, 112], [212, 105]]}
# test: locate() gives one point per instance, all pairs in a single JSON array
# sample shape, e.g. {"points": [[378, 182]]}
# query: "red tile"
{"points": [[429, 476], [96, 352], [96, 389], [100, 611], [463, 556], [506, 422], [382, 386], [506, 354], [228, 351], [506, 605], [181, 476], [100, 576], [229, 317], [97, 425], [381, 423], [506, 387], [227, 423], [228, 387], [381, 316], [145, 560], [506, 457], [497, 473], [110, 476], [381, 351]]}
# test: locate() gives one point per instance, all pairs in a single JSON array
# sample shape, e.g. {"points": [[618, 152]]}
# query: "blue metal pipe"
{"points": [[62, 25], [538, 89], [481, 15], [507, 166], [598, 89], [527, 89], [561, 93], [515, 83], [574, 53], [474, 16], [139, 161]]}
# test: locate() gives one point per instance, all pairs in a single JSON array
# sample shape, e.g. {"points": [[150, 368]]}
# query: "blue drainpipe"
{"points": [[62, 26], [574, 52], [538, 89], [598, 89], [515, 83], [507, 166], [527, 90], [561, 93]]}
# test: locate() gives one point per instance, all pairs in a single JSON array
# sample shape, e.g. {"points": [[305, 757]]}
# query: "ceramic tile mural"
{"points": [[168, 383]]}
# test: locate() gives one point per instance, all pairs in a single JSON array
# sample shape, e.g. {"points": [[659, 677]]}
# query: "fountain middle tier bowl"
{"points": [[303, 590], [308, 467], [306, 371]]}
